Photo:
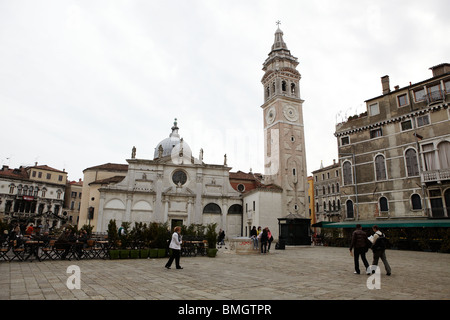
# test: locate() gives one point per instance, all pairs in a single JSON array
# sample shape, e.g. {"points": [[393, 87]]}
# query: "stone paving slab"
{"points": [[297, 273]]}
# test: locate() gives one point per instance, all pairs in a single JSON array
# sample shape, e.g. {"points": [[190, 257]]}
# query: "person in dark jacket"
{"points": [[360, 244], [264, 239]]}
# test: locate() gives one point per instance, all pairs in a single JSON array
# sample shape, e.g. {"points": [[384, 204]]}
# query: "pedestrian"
{"points": [[221, 237], [269, 239], [361, 246], [259, 231], [16, 237], [264, 239], [379, 243], [29, 230], [254, 237], [175, 245]]}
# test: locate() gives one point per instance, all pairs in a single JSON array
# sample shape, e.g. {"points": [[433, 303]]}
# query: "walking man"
{"points": [[360, 244], [379, 249]]}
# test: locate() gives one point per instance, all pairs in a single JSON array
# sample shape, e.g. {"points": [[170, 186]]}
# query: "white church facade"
{"points": [[174, 187]]}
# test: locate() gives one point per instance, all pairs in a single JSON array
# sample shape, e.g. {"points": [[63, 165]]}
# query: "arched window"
{"points": [[347, 173], [283, 86], [412, 167], [384, 204], [235, 209], [444, 154], [380, 167], [212, 208], [293, 88], [349, 207], [416, 202]]}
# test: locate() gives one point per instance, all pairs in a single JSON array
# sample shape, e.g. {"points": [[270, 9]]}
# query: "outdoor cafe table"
{"points": [[33, 249], [104, 247]]}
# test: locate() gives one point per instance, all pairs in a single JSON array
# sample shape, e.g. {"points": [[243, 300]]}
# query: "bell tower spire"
{"points": [[284, 148]]}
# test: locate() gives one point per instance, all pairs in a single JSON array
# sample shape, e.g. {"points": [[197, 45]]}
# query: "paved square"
{"points": [[295, 273]]}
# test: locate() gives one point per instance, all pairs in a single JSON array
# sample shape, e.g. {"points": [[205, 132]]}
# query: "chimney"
{"points": [[440, 69], [385, 84]]}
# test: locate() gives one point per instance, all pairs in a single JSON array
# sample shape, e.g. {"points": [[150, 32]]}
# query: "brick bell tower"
{"points": [[284, 138]]}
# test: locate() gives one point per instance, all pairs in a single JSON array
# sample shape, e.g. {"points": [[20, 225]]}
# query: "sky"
{"points": [[82, 82]]}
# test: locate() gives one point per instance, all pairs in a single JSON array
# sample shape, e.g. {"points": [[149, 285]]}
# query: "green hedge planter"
{"points": [[124, 254], [212, 253], [114, 254], [134, 254], [161, 253], [153, 253], [143, 254]]}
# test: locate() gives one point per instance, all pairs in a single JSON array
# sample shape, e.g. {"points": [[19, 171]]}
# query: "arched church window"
{"points": [[212, 208], [235, 209], [293, 88], [283, 86], [273, 88]]}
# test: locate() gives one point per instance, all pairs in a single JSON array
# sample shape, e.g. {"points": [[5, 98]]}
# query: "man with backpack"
{"points": [[379, 243]]}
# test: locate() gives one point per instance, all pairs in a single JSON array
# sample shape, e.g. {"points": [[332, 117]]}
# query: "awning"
{"points": [[390, 223]]}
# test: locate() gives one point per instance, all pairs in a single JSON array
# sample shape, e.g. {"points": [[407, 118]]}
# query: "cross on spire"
{"points": [[278, 23]]}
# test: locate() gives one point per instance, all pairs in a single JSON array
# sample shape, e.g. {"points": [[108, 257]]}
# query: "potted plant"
{"points": [[113, 239], [124, 239], [136, 240], [162, 238], [211, 237], [151, 236]]}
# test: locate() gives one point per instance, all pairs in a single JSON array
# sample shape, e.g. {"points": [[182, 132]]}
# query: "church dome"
{"points": [[167, 146]]}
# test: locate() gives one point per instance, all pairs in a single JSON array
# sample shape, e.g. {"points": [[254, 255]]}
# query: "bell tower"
{"points": [[284, 139]]}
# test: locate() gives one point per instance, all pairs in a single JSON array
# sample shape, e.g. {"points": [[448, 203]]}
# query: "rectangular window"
{"points": [[60, 178], [39, 174], [447, 86], [345, 141], [406, 125], [49, 176], [374, 109], [434, 93], [375, 133], [419, 95], [33, 174], [402, 100], [423, 121]]}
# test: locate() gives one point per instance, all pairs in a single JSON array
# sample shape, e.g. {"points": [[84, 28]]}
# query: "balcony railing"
{"points": [[436, 175], [435, 96]]}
